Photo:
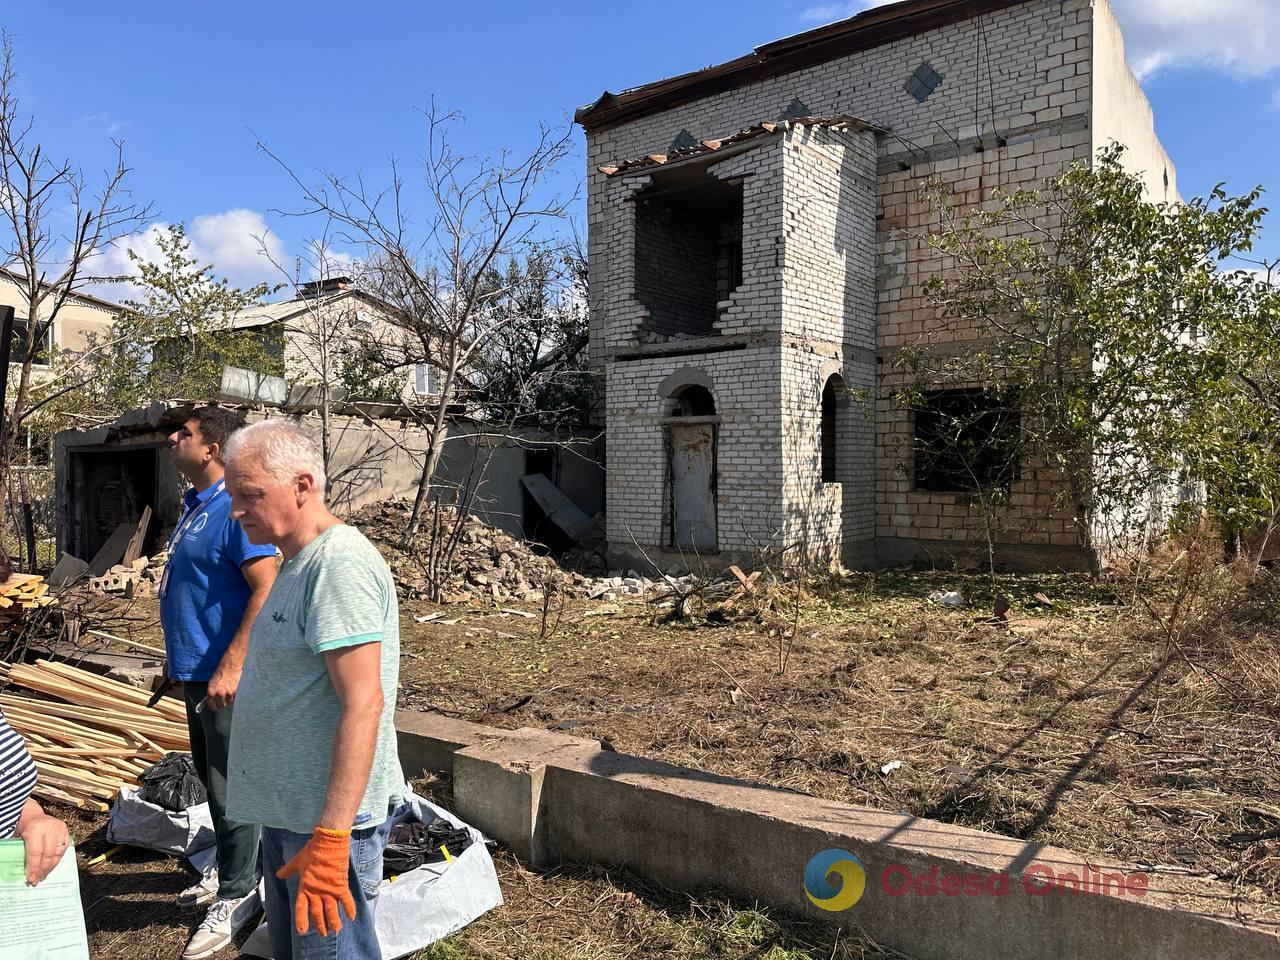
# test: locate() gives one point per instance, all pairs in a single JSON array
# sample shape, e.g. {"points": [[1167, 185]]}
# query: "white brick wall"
{"points": [[833, 277]]}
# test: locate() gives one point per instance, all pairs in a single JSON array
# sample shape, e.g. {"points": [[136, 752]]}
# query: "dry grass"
{"points": [[1073, 725], [1076, 724]]}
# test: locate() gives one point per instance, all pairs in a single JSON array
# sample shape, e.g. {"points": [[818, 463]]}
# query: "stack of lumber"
{"points": [[97, 736], [24, 591]]}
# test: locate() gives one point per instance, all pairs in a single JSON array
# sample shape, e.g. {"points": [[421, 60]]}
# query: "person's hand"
{"points": [[221, 691], [321, 866], [46, 839]]}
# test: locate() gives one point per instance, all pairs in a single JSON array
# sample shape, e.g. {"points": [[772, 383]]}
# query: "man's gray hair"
{"points": [[280, 449]]}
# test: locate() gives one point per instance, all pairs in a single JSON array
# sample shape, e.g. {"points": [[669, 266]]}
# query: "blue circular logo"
{"points": [[839, 895]]}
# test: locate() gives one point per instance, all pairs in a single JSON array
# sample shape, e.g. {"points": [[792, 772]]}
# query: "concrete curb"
{"points": [[932, 890]]}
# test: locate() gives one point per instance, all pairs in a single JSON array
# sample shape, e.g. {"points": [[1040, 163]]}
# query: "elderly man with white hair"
{"points": [[313, 747]]}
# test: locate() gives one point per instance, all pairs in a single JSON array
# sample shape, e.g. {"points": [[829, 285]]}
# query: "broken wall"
{"points": [[370, 461]]}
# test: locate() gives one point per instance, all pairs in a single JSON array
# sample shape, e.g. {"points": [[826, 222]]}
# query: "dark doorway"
{"points": [[537, 528], [107, 489]]}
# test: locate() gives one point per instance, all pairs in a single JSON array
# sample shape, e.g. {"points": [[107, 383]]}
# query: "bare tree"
{"points": [[437, 273], [316, 342], [49, 265]]}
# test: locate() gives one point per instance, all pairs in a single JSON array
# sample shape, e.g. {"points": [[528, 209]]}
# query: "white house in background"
{"points": [[81, 318], [331, 308]]}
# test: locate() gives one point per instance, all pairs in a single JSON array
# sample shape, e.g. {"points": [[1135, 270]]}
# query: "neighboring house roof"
{"points": [[741, 139], [869, 29], [20, 280], [263, 315]]}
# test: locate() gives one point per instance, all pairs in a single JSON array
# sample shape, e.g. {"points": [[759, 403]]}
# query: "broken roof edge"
{"points": [[871, 28], [717, 149]]}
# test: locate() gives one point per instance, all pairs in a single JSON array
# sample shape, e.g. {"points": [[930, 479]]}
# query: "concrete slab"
{"points": [[502, 783], [560, 510], [932, 890]]}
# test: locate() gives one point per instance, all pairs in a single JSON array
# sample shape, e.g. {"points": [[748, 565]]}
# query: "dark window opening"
{"points": [[688, 253], [538, 527], [108, 488], [43, 347], [830, 401], [728, 261], [694, 401], [966, 441]]}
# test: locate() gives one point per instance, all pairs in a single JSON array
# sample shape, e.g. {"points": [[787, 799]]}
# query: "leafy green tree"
{"points": [[175, 340], [1112, 321], [363, 373], [533, 368]]}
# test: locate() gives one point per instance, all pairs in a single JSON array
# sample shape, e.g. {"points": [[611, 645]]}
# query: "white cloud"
{"points": [[234, 242], [237, 243], [1241, 37]]}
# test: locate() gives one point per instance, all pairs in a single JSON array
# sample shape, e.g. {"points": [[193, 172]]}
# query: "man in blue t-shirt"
{"points": [[213, 587]]}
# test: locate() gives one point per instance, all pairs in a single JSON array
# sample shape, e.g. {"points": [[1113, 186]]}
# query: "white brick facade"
{"points": [[832, 277]]}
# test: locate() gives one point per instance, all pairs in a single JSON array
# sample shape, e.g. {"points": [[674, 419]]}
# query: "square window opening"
{"points": [[966, 441]]}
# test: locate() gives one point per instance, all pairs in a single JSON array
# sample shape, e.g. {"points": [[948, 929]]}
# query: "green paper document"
{"points": [[44, 922]]}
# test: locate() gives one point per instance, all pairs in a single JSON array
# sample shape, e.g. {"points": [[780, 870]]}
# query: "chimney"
{"points": [[321, 288]]}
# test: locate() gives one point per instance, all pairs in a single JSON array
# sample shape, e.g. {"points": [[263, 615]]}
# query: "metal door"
{"points": [[693, 486]]}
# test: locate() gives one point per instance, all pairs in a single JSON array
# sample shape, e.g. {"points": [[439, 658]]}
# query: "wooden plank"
{"points": [[113, 550], [139, 539], [53, 795], [123, 696], [128, 643], [66, 781], [45, 712]]}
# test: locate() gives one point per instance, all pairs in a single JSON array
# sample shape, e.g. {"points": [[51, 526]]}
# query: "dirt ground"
{"points": [[1070, 725]]}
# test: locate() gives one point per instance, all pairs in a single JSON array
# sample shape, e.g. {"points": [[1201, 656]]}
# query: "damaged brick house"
{"points": [[755, 268]]}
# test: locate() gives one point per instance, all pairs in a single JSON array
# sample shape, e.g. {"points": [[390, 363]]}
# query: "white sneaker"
{"points": [[203, 892], [224, 920]]}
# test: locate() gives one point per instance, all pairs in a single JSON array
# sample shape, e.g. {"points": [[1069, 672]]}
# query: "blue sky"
{"points": [[190, 87]]}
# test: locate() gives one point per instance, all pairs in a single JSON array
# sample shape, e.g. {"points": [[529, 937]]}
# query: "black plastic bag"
{"points": [[172, 783], [412, 844]]}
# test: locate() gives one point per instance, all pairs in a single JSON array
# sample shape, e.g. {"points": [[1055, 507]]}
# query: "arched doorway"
{"points": [[691, 433]]}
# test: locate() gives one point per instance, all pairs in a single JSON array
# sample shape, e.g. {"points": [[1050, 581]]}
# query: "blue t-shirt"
{"points": [[203, 595]]}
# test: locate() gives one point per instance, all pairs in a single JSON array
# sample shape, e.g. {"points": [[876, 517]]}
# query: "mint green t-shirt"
{"points": [[337, 592]]}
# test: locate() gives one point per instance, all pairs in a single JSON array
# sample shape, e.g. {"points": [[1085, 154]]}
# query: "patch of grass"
{"points": [[1062, 725], [588, 913]]}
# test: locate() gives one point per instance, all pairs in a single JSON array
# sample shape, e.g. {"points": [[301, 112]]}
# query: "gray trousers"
{"points": [[237, 842]]}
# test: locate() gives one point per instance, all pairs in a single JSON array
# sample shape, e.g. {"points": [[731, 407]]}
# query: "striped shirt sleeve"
{"points": [[17, 777]]}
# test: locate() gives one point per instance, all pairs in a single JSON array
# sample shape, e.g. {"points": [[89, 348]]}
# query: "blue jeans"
{"points": [[357, 940]]}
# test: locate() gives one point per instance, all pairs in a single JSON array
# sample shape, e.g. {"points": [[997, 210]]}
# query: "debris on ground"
{"points": [[947, 598], [19, 593], [139, 578], [489, 565], [96, 736]]}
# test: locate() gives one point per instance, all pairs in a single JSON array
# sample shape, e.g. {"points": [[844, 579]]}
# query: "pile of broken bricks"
{"points": [[140, 578], [119, 566]]}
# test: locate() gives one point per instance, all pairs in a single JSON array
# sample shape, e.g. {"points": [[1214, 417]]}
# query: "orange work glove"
{"points": [[321, 866]]}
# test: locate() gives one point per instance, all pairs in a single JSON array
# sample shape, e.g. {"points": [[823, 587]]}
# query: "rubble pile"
{"points": [[141, 578], [488, 564]]}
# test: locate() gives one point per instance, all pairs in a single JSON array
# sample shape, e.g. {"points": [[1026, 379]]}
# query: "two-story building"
{"points": [[756, 264]]}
